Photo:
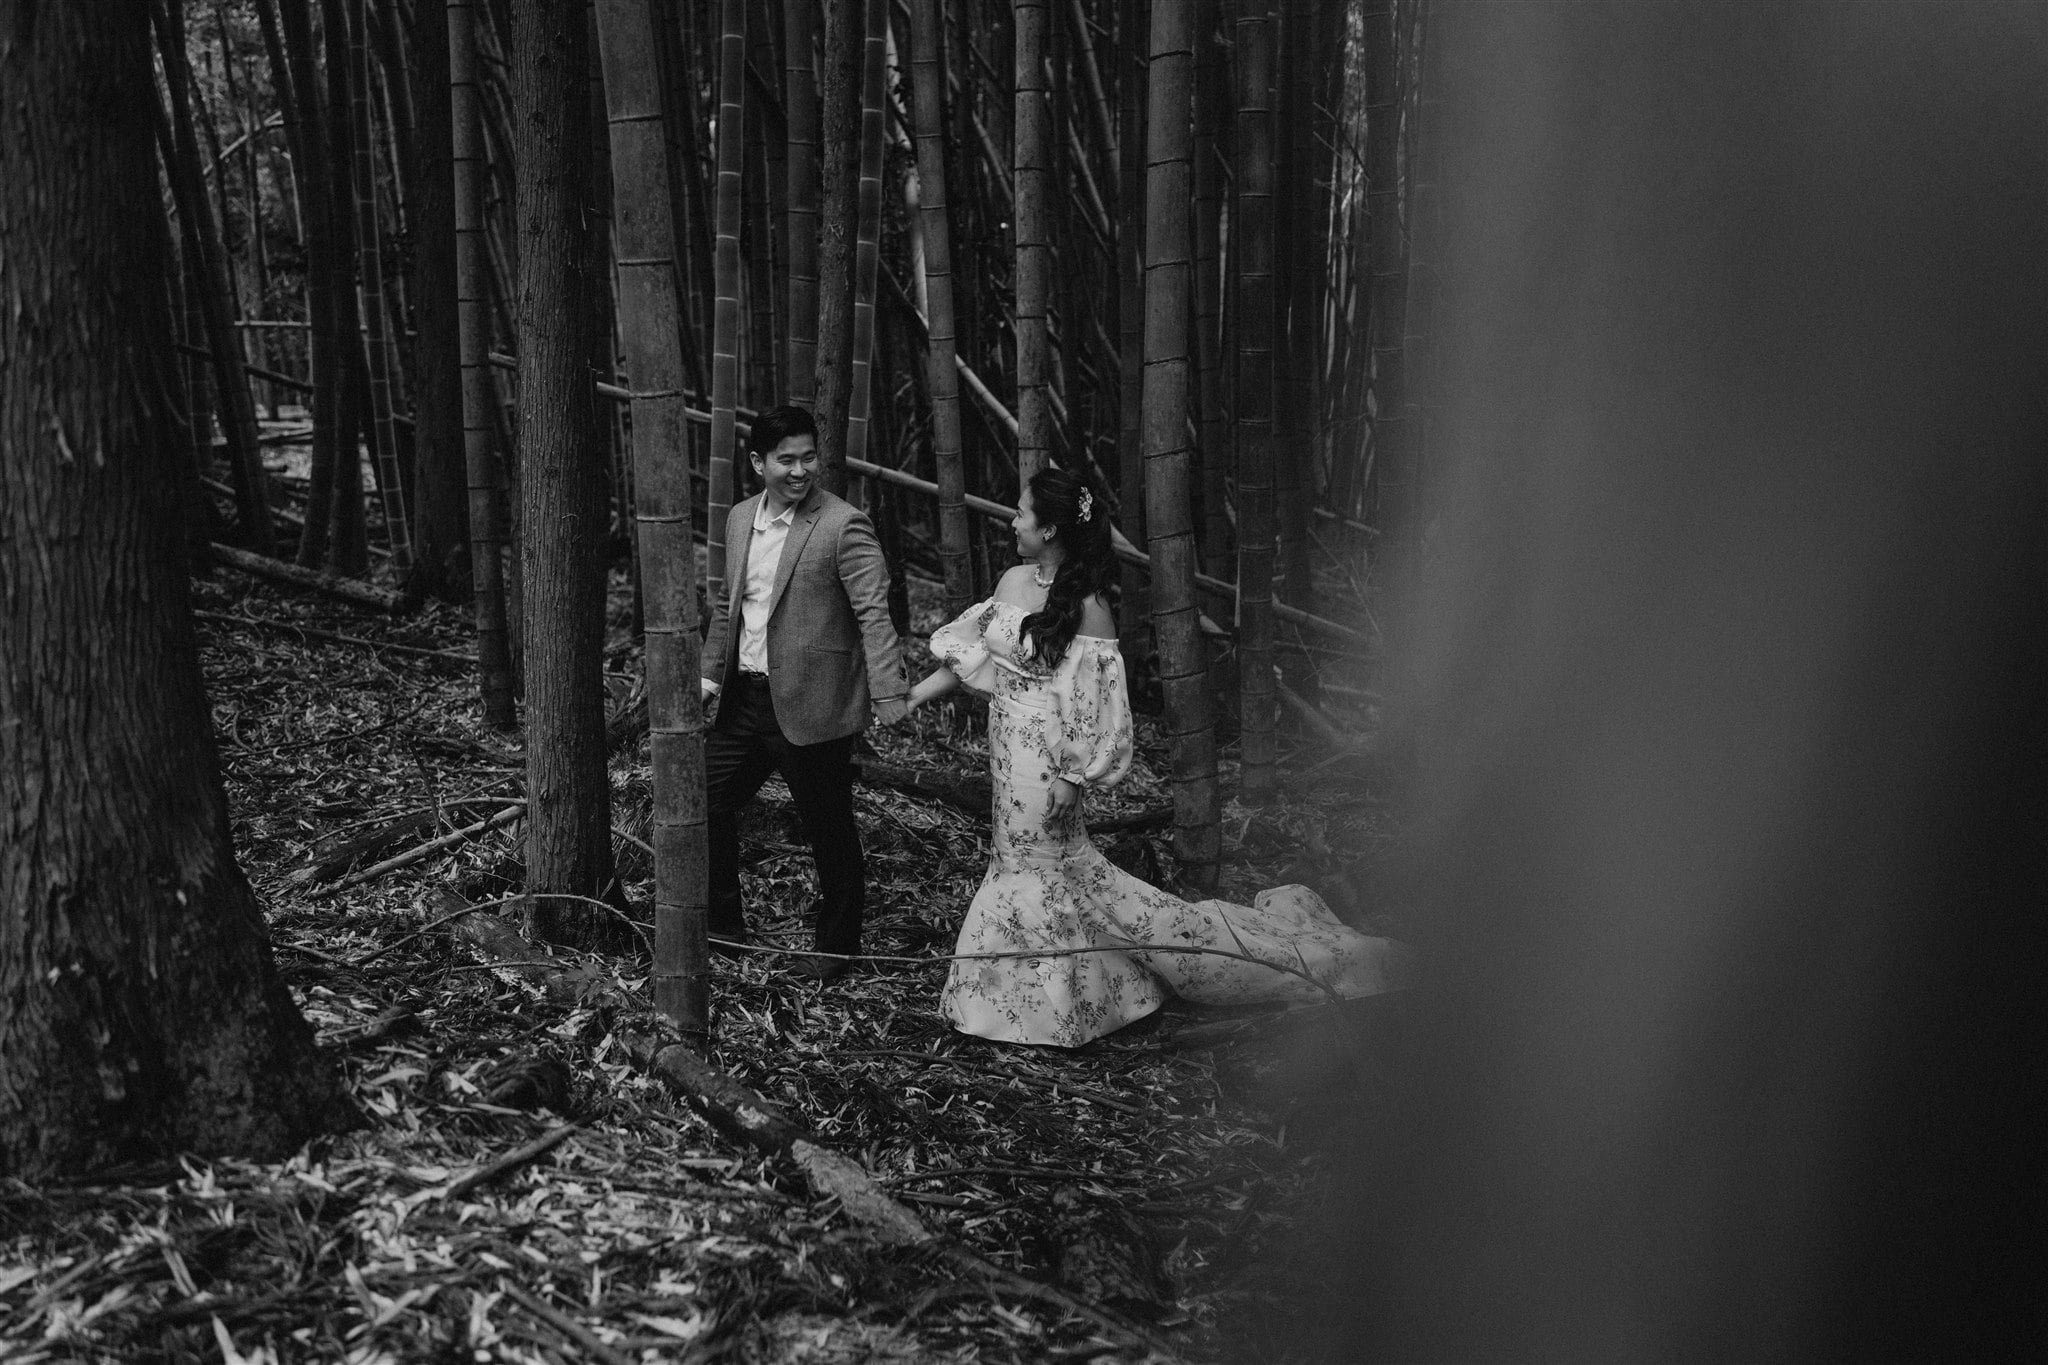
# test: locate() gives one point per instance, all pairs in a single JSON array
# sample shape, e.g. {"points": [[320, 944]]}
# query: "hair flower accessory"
{"points": [[1087, 504]]}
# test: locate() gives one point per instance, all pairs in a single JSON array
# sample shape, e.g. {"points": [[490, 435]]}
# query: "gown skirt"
{"points": [[1091, 947]]}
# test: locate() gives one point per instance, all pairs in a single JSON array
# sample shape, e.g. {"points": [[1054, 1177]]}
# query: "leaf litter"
{"points": [[1149, 1172]]}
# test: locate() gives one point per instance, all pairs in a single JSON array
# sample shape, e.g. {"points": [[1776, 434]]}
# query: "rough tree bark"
{"points": [[140, 1013], [562, 482], [1169, 466]]}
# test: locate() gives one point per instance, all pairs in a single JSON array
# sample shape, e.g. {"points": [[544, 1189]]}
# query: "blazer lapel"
{"points": [[799, 532]]}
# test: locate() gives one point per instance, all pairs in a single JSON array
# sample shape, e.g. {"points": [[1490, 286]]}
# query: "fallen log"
{"points": [[313, 580], [970, 794]]}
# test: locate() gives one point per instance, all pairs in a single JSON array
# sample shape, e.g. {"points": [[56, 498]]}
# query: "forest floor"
{"points": [[1162, 1173]]}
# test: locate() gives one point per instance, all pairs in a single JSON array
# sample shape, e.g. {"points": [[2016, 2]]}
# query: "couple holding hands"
{"points": [[802, 652]]}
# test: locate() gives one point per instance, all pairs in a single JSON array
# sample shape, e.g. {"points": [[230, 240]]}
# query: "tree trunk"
{"points": [[845, 46], [725, 320], [1031, 181], [800, 106], [1252, 253], [210, 282], [140, 1013], [472, 285], [941, 370], [441, 552], [562, 482], [1169, 517], [649, 300], [868, 231]]}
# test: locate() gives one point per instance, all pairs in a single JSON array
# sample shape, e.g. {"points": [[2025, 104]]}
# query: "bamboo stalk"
{"points": [[1183, 665], [725, 324], [800, 106], [210, 281], [942, 374], [494, 662], [369, 236], [1032, 179], [868, 229], [1252, 255], [650, 334]]}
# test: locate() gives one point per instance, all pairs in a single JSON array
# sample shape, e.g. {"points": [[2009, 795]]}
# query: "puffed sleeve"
{"points": [[959, 646], [1095, 715]]}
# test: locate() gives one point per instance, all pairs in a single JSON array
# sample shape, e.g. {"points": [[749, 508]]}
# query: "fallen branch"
{"points": [[433, 846], [333, 585], [1316, 720], [566, 1325], [292, 627], [509, 1162], [969, 794]]}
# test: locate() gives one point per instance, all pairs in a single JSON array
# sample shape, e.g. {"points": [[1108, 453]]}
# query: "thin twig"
{"points": [[511, 1161]]}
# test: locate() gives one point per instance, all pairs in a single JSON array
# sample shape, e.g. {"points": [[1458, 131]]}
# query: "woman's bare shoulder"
{"points": [[1015, 585]]}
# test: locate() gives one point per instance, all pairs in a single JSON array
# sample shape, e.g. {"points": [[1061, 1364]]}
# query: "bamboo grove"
{"points": [[507, 278]]}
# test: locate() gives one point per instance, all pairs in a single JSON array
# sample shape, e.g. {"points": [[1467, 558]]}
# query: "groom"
{"points": [[799, 642]]}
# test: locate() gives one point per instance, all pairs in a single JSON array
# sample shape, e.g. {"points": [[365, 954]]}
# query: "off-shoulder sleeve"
{"points": [[1095, 715], [960, 646]]}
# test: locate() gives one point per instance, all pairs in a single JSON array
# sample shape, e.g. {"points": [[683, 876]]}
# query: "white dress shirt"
{"points": [[764, 557]]}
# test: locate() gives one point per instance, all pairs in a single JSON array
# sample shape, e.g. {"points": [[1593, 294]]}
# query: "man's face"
{"points": [[787, 471]]}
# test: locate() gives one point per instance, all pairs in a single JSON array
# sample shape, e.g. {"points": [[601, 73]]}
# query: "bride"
{"points": [[1044, 650]]}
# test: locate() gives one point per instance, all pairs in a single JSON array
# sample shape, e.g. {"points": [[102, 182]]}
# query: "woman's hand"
{"points": [[1064, 799]]}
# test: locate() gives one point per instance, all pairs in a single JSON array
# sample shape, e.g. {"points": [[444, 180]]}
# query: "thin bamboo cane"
{"points": [[867, 230], [231, 383], [494, 661], [725, 325], [758, 251], [940, 354], [1183, 666], [649, 295], [376, 342]]}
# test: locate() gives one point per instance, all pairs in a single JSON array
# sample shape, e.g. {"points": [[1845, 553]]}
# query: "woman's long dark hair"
{"points": [[1057, 497]]}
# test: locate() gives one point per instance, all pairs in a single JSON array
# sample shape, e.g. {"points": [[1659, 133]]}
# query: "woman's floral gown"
{"points": [[1048, 887]]}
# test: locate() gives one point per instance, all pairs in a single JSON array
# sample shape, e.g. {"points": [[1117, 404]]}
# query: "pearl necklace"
{"points": [[1038, 578]]}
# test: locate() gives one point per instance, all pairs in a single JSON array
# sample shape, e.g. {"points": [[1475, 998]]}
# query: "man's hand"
{"points": [[890, 711]]}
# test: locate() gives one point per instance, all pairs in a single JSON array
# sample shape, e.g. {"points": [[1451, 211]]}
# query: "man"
{"points": [[799, 642]]}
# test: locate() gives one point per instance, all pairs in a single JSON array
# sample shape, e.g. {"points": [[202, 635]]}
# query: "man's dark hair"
{"points": [[777, 425]]}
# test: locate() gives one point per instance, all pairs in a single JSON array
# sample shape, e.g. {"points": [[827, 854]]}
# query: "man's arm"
{"points": [[713, 661], [864, 573]]}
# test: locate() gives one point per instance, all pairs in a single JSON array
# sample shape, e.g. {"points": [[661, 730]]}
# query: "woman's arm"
{"points": [[935, 685]]}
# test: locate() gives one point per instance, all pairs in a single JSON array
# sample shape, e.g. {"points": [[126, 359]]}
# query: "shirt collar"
{"points": [[763, 519]]}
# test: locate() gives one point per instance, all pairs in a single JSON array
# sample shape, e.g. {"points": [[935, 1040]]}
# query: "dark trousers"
{"points": [[739, 752]]}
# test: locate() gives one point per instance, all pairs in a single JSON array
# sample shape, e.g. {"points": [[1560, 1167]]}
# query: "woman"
{"points": [[1044, 649]]}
